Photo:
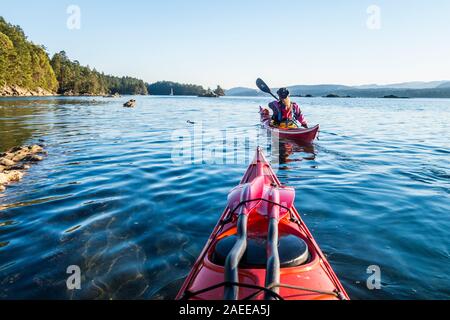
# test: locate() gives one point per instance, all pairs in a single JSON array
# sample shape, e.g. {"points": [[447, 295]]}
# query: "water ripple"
{"points": [[109, 198]]}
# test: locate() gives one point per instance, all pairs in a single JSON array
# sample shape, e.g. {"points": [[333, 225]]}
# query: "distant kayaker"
{"points": [[286, 114]]}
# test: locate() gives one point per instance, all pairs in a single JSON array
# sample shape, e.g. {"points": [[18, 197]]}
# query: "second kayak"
{"points": [[261, 249], [299, 135]]}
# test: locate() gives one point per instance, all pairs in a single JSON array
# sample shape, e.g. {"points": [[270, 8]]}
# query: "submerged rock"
{"points": [[36, 149], [3, 179], [7, 155], [21, 155], [14, 176], [20, 166], [6, 162], [33, 158], [16, 161]]}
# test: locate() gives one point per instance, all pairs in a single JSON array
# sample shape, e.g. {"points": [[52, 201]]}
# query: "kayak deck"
{"points": [[305, 273], [300, 135]]}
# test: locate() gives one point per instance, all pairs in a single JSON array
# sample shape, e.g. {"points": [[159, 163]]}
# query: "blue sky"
{"points": [[233, 42]]}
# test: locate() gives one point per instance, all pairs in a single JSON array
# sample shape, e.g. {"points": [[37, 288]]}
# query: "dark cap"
{"points": [[283, 93]]}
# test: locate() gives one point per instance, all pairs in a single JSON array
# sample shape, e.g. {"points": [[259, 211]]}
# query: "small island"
{"points": [[219, 92], [332, 95], [302, 96], [208, 95], [392, 96]]}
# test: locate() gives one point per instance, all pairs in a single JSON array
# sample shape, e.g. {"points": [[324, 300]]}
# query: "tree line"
{"points": [[76, 79], [164, 88], [27, 65], [23, 63]]}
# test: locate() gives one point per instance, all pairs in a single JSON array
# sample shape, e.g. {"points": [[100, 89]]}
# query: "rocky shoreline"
{"points": [[16, 91], [16, 161]]}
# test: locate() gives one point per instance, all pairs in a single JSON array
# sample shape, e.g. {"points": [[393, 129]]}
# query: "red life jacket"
{"points": [[284, 114], [287, 114], [280, 113]]}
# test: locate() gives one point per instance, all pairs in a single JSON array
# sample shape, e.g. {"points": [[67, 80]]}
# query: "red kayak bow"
{"points": [[261, 249], [296, 135]]}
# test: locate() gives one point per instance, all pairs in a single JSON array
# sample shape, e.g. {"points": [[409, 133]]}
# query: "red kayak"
{"points": [[296, 135], [261, 249]]}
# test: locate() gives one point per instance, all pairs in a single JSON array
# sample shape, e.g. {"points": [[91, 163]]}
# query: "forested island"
{"points": [[27, 70], [164, 88], [74, 79]]}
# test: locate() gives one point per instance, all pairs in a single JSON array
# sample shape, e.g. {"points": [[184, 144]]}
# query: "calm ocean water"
{"points": [[118, 197]]}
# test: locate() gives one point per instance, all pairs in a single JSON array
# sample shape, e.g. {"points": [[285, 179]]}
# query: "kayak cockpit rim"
{"points": [[270, 290], [187, 294]]}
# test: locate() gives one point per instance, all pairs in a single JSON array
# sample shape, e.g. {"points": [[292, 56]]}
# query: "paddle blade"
{"points": [[263, 86]]}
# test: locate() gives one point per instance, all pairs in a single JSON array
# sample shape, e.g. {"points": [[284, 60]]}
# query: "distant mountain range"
{"points": [[434, 89], [408, 85]]}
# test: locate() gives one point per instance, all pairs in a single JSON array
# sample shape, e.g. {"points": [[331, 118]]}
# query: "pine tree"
{"points": [[219, 91], [23, 63], [27, 65]]}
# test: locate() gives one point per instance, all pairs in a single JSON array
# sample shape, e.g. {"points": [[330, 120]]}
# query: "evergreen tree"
{"points": [[23, 63], [6, 50], [219, 91], [78, 79], [164, 88]]}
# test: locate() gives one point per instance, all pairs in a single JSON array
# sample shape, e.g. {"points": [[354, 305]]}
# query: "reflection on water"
{"points": [[110, 199], [292, 152], [18, 118], [14, 129]]}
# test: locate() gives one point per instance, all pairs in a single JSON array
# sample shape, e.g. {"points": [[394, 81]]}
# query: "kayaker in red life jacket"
{"points": [[285, 112]]}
